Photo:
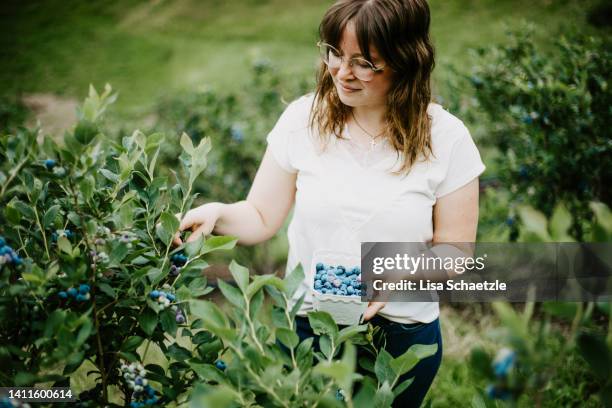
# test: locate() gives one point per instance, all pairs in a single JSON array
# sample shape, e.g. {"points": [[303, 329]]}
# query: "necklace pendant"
{"points": [[372, 144]]}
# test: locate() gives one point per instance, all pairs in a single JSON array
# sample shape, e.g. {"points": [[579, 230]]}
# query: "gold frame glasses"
{"points": [[361, 67]]}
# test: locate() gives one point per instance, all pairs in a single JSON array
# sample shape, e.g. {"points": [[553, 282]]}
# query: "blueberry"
{"points": [[72, 292], [53, 236], [171, 297], [337, 283], [180, 318], [327, 285], [83, 289], [350, 290], [62, 294], [151, 401], [149, 390], [324, 291], [220, 364], [2, 242], [139, 380], [510, 221], [4, 250], [133, 404], [49, 164], [323, 278], [80, 298], [320, 267], [341, 269], [154, 294]]}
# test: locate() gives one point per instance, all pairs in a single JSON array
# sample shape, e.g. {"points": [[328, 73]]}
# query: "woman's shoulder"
{"points": [[297, 113], [446, 128]]}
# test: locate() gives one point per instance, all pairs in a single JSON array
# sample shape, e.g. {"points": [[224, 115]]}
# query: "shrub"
{"points": [[549, 117], [86, 241]]}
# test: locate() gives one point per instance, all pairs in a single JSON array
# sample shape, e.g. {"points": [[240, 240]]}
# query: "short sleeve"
{"points": [[279, 138], [464, 164]]}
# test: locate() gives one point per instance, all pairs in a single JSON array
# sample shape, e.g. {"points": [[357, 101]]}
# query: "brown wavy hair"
{"points": [[399, 30]]}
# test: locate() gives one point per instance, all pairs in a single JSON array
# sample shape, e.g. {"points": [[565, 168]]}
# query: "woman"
{"points": [[367, 157]]}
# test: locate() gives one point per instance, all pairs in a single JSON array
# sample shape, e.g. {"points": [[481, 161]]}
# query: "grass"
{"points": [[148, 49]]}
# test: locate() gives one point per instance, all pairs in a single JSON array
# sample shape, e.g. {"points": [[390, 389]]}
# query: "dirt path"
{"points": [[56, 114]]}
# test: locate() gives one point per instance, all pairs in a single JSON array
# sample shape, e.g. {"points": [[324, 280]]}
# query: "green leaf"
{"points": [[208, 372], [288, 337], [481, 362], [132, 343], [178, 353], [118, 253], [294, 280], [401, 387], [210, 313], [262, 280], [534, 222], [384, 396], [405, 362], [232, 294], [187, 144], [213, 243], [50, 215], [107, 289], [148, 321], [560, 223], [323, 323], [84, 332], [64, 245], [167, 319], [349, 332], [169, 226], [382, 367], [240, 275]]}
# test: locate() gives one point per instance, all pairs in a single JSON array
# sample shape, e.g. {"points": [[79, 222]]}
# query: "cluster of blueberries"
{"points": [[502, 365], [178, 260], [80, 295], [338, 280], [164, 298], [8, 254], [135, 377]]}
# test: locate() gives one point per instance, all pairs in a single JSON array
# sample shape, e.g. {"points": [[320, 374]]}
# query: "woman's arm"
{"points": [[261, 215], [455, 217], [253, 220]]}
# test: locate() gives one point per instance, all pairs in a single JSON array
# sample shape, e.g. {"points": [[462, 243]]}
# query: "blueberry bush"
{"points": [[90, 284], [264, 363], [548, 115], [87, 270], [542, 340]]}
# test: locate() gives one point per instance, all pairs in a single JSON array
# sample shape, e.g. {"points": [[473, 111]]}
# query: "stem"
{"points": [[290, 322], [149, 232], [13, 174], [100, 354], [42, 231], [257, 378], [251, 326]]}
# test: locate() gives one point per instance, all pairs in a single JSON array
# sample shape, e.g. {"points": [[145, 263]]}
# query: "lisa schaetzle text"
{"points": [[449, 285]]}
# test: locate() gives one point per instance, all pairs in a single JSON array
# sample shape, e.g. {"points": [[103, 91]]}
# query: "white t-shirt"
{"points": [[345, 196]]}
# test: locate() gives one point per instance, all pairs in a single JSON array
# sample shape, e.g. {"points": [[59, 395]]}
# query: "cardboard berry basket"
{"points": [[345, 309]]}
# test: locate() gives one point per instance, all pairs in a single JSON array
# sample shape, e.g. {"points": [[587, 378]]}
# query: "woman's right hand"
{"points": [[201, 220]]}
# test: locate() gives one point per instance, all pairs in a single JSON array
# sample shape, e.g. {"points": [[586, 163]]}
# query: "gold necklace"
{"points": [[373, 138]]}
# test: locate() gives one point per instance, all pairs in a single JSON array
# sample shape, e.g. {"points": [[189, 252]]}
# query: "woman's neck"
{"points": [[373, 120]]}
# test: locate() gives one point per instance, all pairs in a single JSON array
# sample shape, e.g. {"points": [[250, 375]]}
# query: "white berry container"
{"points": [[345, 310]]}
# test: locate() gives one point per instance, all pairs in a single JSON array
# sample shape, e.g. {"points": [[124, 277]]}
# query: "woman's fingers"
{"points": [[373, 308], [203, 229]]}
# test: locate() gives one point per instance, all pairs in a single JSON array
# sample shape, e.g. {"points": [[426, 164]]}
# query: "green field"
{"points": [[149, 49]]}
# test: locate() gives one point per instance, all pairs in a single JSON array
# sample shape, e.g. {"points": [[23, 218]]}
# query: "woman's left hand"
{"points": [[373, 308]]}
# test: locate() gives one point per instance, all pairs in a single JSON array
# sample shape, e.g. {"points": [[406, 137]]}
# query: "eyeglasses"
{"points": [[361, 67]]}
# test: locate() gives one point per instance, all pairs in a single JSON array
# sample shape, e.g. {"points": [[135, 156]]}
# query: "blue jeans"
{"points": [[399, 338]]}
